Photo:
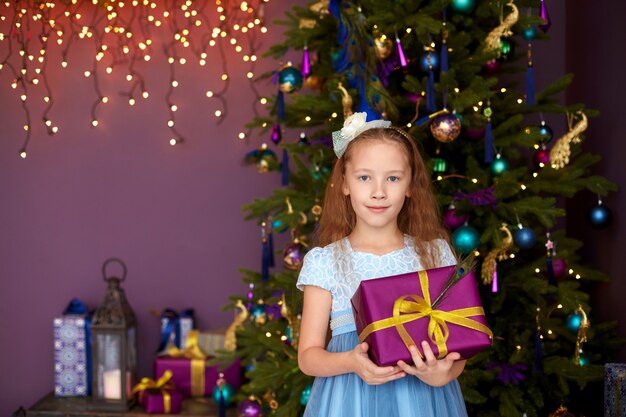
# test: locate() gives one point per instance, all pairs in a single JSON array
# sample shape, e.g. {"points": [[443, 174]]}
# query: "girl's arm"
{"points": [[315, 360]]}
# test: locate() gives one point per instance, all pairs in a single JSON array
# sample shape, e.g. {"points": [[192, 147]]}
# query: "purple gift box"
{"points": [[397, 311], [194, 377], [161, 401]]}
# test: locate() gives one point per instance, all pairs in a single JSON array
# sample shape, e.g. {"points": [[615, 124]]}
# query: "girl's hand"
{"points": [[433, 371], [369, 371]]}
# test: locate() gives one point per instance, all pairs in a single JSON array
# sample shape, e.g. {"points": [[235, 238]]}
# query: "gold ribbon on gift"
{"points": [[413, 307], [198, 358], [162, 384]]}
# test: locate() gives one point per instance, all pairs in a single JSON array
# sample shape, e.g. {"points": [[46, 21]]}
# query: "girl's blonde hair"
{"points": [[419, 216]]}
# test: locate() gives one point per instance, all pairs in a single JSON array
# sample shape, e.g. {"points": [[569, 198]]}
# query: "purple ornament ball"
{"points": [[453, 219], [249, 408], [293, 256], [493, 66], [542, 158], [475, 133], [559, 266]]}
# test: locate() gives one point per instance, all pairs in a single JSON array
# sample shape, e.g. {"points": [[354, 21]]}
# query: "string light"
{"points": [[121, 33]]}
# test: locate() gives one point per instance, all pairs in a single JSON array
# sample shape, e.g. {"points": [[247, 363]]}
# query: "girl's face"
{"points": [[377, 178]]}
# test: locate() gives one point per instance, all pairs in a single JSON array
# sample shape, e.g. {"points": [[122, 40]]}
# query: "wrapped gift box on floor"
{"points": [[72, 351], [615, 390], [191, 372], [160, 396], [210, 341], [175, 328], [394, 312]]}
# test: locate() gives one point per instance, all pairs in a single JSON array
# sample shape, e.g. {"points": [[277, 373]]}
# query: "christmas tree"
{"points": [[459, 77]]}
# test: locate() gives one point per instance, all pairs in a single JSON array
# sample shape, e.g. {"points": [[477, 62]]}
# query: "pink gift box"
{"points": [[154, 401], [374, 301], [192, 379]]}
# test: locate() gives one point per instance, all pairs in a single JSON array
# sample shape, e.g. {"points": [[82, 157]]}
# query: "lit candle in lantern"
{"points": [[112, 384]]}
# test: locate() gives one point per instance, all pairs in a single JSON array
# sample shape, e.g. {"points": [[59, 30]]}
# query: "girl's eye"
{"points": [[393, 178], [364, 177]]}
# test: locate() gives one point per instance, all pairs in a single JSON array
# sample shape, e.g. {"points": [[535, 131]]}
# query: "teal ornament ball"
{"points": [[279, 226], [257, 312], [226, 391], [465, 239], [583, 360], [463, 6], [529, 33], [289, 79], [499, 166], [573, 322], [306, 393], [546, 132]]}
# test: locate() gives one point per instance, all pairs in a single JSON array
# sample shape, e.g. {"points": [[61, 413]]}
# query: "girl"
{"points": [[380, 218]]}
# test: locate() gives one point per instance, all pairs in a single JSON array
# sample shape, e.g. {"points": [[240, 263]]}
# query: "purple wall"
{"points": [[172, 214], [595, 54]]}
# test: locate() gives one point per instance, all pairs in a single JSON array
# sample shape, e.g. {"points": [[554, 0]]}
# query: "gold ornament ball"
{"points": [[382, 47], [313, 82], [445, 127]]}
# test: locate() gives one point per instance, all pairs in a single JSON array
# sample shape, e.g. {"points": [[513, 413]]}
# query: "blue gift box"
{"points": [[175, 328], [615, 390], [72, 351]]}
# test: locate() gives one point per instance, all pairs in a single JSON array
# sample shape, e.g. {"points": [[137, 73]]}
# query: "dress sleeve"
{"points": [[316, 269], [446, 256]]}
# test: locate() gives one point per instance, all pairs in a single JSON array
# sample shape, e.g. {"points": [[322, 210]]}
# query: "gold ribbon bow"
{"points": [[161, 384], [405, 311], [198, 358]]}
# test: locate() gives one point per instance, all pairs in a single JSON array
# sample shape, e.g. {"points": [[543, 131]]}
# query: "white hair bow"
{"points": [[353, 126]]}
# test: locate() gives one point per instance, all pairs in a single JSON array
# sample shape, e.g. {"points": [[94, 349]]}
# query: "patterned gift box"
{"points": [[615, 390], [175, 328], [72, 352], [395, 312]]}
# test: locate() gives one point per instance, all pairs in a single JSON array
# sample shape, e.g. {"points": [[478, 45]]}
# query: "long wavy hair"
{"points": [[419, 216]]}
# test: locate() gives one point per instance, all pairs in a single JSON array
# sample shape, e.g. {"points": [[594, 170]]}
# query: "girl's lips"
{"points": [[377, 209]]}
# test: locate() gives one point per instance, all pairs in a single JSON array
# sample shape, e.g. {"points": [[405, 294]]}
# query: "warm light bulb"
{"points": [[170, 123], [250, 74], [131, 101], [242, 135], [145, 94], [109, 70], [129, 77], [94, 123], [64, 64], [23, 154], [263, 100], [87, 73], [173, 107], [173, 141], [182, 61], [105, 100], [146, 58], [218, 113], [174, 83], [224, 77], [209, 94], [23, 97], [46, 99], [55, 129], [308, 118], [202, 62]]}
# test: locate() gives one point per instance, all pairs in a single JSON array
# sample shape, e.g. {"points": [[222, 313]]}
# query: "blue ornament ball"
{"points": [[529, 33], [499, 166], [599, 216], [306, 393], [463, 6], [525, 238], [546, 132], [434, 62], [226, 391], [465, 239], [289, 79], [573, 322]]}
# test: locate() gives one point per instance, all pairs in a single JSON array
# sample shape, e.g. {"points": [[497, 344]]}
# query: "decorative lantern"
{"points": [[113, 347]]}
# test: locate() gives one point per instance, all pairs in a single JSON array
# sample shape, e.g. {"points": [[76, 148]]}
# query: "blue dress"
{"points": [[339, 270]]}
